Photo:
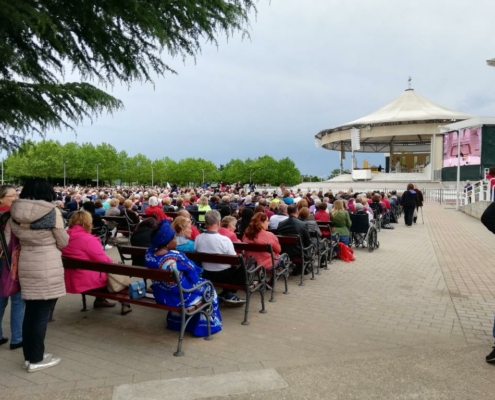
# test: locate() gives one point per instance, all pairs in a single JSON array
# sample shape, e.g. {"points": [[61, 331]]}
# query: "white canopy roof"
{"points": [[409, 108]]}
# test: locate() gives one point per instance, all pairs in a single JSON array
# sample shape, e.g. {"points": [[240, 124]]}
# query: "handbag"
{"points": [[117, 283], [346, 253], [9, 282], [137, 289]]}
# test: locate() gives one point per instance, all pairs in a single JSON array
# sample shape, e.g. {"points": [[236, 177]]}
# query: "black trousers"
{"points": [[408, 214], [235, 276], [34, 327]]}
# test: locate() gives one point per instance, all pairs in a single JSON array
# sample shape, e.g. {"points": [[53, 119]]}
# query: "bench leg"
{"points": [[313, 268], [286, 280], [262, 294], [273, 283], [208, 315], [179, 352], [85, 307], [246, 308]]}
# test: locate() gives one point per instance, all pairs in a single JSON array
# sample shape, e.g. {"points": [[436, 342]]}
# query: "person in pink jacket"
{"points": [[84, 246], [257, 233]]}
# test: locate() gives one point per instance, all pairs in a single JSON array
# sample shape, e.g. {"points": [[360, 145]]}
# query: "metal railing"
{"points": [[480, 191], [441, 196]]}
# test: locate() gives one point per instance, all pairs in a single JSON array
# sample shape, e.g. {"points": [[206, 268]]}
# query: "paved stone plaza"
{"points": [[396, 323]]}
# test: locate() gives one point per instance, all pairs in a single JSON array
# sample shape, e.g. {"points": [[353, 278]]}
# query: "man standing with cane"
{"points": [[488, 219], [419, 203]]}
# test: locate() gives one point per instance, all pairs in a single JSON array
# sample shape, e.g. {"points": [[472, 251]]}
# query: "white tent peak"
{"points": [[409, 108]]}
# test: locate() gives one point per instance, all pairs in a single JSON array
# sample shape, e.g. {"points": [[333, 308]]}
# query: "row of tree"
{"points": [[86, 162]]}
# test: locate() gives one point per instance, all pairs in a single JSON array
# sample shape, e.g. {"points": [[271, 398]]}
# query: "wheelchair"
{"points": [[363, 232]]}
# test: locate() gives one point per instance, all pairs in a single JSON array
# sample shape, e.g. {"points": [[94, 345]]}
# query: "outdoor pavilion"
{"points": [[409, 124]]}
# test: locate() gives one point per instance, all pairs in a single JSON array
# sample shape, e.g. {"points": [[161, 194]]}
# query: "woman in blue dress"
{"points": [[162, 254]]}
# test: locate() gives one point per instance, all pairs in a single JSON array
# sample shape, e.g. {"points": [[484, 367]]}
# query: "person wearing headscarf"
{"points": [[163, 254]]}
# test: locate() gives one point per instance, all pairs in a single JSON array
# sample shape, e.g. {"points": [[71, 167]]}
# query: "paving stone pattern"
{"points": [[429, 286]]}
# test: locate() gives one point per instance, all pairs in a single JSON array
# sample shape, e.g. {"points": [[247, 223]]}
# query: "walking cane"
{"points": [[422, 218]]}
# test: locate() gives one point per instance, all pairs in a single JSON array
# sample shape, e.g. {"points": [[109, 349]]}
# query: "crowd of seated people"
{"points": [[236, 206]]}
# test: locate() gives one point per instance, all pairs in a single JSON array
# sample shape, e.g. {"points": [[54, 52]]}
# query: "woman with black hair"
{"points": [[246, 215], [39, 226]]}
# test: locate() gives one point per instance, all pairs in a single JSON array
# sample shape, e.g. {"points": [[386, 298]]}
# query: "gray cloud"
{"points": [[308, 65]]}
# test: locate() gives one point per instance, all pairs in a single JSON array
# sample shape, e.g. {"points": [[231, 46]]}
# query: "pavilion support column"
{"points": [[433, 156], [390, 163]]}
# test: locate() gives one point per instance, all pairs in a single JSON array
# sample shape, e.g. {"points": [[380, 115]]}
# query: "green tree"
{"points": [[109, 160], [287, 172], [107, 41], [264, 170], [234, 171]]}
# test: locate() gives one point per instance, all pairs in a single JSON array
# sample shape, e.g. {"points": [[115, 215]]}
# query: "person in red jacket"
{"points": [[257, 233], [155, 209], [228, 227], [322, 215]]}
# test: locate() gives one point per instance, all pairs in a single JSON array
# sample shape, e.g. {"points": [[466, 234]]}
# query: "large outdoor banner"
{"points": [[470, 147]]}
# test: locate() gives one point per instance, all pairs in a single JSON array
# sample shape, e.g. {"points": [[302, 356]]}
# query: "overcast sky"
{"points": [[309, 65]]}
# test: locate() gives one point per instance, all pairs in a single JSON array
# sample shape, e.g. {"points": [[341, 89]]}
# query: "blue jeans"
{"points": [[345, 240], [16, 316]]}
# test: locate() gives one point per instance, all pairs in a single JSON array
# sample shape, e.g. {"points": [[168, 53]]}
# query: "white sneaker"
{"points": [[108, 247], [45, 356], [365, 243], [46, 363]]}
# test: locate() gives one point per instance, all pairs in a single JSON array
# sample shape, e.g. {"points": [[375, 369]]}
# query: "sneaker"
{"points": [[46, 363], [108, 247], [232, 300], [365, 243], [490, 358], [45, 356]]}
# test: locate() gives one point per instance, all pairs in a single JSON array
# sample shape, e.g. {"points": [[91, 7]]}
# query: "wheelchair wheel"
{"points": [[371, 240]]}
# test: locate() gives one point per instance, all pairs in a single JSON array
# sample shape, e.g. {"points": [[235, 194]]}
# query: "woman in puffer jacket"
{"points": [[38, 223]]}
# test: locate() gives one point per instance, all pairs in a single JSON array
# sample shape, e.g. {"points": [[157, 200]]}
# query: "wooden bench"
{"points": [[255, 277], [204, 307], [195, 216], [124, 225], [307, 256], [280, 271]]}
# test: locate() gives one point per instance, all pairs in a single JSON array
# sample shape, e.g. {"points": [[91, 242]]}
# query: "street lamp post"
{"points": [[2, 170], [97, 175], [152, 175], [65, 172], [202, 169]]}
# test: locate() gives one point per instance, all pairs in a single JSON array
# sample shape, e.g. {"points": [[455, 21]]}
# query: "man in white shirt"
{"points": [[214, 243], [277, 218]]}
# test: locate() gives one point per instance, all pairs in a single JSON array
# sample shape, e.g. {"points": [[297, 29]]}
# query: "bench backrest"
{"points": [[241, 247], [121, 269], [126, 252], [120, 221], [234, 261]]}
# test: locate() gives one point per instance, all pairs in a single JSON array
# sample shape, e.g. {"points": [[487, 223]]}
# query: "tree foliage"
{"points": [[101, 40], [47, 157]]}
